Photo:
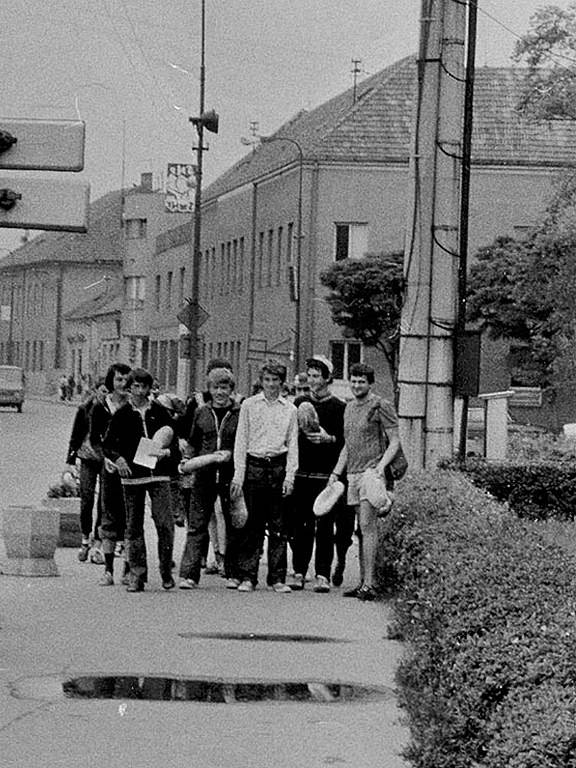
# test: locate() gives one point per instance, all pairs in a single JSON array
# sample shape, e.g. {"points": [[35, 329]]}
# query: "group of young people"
{"points": [[268, 454]]}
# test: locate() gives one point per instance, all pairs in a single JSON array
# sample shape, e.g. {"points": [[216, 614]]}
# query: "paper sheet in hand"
{"points": [[144, 457]]}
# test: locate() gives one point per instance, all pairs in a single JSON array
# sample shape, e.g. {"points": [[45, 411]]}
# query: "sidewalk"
{"points": [[54, 629]]}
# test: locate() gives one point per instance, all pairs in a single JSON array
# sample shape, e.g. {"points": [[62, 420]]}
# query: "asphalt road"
{"points": [[60, 628], [32, 450]]}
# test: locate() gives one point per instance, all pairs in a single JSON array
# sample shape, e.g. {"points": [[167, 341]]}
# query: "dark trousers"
{"points": [[113, 511], [89, 473], [203, 496], [344, 520], [160, 499], [266, 511], [306, 529]]}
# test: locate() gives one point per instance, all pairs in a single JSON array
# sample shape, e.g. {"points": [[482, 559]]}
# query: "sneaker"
{"points": [[322, 584], [96, 556], [281, 588], [366, 594], [168, 583], [135, 585], [187, 584], [83, 553], [338, 575], [246, 586], [232, 583], [119, 549], [126, 579], [107, 580], [352, 592], [297, 582]]}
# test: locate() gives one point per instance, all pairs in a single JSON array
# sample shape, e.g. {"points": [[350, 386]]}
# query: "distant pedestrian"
{"points": [[70, 388], [265, 462], [63, 387], [139, 418], [370, 441]]}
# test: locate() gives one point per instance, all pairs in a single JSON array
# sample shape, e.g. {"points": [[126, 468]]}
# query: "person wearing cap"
{"points": [[213, 429], [265, 462], [371, 441], [319, 445]]}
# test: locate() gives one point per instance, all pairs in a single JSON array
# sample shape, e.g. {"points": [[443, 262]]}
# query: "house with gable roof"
{"points": [[354, 158]]}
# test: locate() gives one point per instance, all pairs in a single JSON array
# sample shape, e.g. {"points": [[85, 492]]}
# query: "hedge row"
{"points": [[538, 491], [487, 603]]}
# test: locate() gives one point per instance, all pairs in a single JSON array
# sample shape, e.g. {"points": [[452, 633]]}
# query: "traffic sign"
{"points": [[186, 315], [42, 145], [32, 203]]}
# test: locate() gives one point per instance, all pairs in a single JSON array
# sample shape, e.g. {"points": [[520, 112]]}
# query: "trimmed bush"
{"points": [[487, 604], [535, 491]]}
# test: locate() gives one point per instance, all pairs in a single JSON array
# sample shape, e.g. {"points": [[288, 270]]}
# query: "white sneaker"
{"points": [[187, 584], [281, 588], [246, 586], [322, 584], [232, 583]]}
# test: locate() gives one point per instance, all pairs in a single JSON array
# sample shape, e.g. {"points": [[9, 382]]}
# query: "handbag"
{"points": [[399, 464]]}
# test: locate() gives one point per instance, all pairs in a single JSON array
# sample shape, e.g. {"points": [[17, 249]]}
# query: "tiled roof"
{"points": [[377, 128], [102, 242], [103, 304]]}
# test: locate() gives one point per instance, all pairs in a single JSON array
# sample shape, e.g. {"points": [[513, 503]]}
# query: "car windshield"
{"points": [[10, 377]]}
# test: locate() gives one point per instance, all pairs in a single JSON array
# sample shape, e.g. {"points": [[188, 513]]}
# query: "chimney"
{"points": [[146, 182]]}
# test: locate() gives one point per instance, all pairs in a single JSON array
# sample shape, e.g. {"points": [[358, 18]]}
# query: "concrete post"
{"points": [[496, 424]]}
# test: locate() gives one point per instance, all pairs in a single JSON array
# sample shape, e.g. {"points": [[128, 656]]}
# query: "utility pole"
{"points": [[426, 407], [355, 73], [208, 121]]}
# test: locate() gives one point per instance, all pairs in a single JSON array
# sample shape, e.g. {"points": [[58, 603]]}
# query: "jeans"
{"points": [[266, 510], [113, 511], [307, 529], [202, 499], [160, 498], [89, 472]]}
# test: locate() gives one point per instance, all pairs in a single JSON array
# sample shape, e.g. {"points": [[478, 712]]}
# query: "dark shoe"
{"points": [[352, 592], [135, 585], [83, 553], [296, 582], [322, 585], [366, 594], [168, 583], [338, 575], [107, 580]]}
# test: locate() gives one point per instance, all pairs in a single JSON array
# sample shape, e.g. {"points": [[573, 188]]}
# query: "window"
{"points": [[135, 229], [228, 267], [154, 359], [135, 290], [343, 355], [279, 257], [260, 265], [241, 266], [163, 363], [269, 265], [181, 286], [222, 268], [351, 241], [169, 290], [235, 266], [157, 292], [173, 363]]}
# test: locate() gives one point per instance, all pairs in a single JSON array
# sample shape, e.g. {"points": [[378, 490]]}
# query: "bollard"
{"points": [[30, 538]]}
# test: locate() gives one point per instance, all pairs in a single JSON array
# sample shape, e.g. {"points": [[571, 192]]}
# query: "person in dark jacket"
{"points": [[213, 429], [141, 418], [113, 519], [90, 461]]}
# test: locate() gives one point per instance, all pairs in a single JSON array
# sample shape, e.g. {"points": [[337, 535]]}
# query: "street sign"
{"points": [[32, 203], [186, 315], [42, 145], [180, 188]]}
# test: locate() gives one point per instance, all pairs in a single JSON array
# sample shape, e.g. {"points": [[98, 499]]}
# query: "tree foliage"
{"points": [[526, 289], [548, 50], [365, 299]]}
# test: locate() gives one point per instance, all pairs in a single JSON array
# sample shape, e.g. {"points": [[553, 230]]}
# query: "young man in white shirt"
{"points": [[265, 462]]}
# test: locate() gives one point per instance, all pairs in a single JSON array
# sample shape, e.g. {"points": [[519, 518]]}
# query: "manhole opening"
{"points": [[256, 636], [218, 691]]}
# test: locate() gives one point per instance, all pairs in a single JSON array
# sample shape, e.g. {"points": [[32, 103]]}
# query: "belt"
{"points": [[267, 461]]}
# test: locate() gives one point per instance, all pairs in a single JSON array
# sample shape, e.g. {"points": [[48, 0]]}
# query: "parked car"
{"points": [[12, 386]]}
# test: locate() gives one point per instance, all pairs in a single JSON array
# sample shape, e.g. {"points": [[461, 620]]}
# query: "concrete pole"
{"points": [[431, 250]]}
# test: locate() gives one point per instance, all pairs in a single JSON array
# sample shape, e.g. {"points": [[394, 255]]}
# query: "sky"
{"points": [[130, 69]]}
